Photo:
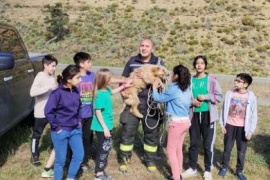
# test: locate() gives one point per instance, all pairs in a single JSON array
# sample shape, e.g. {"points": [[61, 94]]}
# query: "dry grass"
{"points": [[15, 157]]}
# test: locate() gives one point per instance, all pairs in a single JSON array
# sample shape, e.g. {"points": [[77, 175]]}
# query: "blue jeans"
{"points": [[60, 142]]}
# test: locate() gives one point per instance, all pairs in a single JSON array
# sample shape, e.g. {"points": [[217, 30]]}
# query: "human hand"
{"points": [[196, 103], [201, 98], [107, 133], [248, 137], [224, 131], [128, 83], [156, 83]]}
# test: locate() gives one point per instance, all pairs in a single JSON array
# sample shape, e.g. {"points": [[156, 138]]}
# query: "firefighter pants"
{"points": [[130, 125]]}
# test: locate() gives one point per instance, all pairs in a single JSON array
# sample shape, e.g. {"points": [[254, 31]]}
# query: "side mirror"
{"points": [[6, 61]]}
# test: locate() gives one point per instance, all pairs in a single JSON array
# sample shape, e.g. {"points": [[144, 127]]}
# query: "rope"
{"points": [[163, 135], [154, 107]]}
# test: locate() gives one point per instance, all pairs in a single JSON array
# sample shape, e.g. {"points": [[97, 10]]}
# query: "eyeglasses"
{"points": [[238, 81]]}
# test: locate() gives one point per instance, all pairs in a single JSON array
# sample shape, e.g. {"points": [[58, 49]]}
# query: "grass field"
{"points": [[15, 154]]}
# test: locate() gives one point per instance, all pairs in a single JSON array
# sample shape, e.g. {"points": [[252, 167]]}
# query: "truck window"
{"points": [[11, 43]]}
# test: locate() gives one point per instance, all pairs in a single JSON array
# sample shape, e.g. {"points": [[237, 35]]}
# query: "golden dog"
{"points": [[149, 74]]}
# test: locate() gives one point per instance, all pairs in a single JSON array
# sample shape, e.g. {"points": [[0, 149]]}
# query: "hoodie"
{"points": [[213, 97], [63, 109], [251, 116]]}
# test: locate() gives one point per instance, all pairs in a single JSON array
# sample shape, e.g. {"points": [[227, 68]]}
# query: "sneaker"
{"points": [[222, 172], [207, 175], [151, 168], [104, 176], [240, 176], [35, 161], [47, 174], [85, 167], [189, 173]]}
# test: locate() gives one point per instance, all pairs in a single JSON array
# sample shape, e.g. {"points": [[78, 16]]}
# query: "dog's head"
{"points": [[163, 74], [160, 72]]}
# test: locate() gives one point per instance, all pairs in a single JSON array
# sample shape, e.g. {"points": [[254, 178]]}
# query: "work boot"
{"points": [[124, 164], [151, 166]]}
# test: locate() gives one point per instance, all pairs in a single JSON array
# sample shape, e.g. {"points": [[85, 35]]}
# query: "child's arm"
{"points": [[123, 86], [224, 112], [117, 80], [254, 119], [165, 96], [51, 110], [107, 133], [38, 87]]}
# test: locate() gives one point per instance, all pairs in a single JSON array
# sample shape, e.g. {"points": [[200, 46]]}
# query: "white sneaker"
{"points": [[207, 175], [189, 173]]}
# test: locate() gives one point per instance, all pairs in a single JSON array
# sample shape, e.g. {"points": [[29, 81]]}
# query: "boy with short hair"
{"points": [[86, 88], [238, 122], [41, 88]]}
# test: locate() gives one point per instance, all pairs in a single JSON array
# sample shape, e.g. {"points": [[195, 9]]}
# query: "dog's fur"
{"points": [[149, 74]]}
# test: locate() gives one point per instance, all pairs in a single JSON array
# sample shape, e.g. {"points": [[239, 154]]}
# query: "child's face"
{"points": [[50, 69], [200, 65], [239, 84], [75, 81], [86, 65]]}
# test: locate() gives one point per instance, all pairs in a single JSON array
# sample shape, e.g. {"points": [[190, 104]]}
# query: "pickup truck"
{"points": [[17, 72]]}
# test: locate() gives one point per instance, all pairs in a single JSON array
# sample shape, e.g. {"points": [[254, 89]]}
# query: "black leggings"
{"points": [[103, 148]]}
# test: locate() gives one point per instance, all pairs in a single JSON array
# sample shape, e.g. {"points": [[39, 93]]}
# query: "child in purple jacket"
{"points": [[63, 113]]}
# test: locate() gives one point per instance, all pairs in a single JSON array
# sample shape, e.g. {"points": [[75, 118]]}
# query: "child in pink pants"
{"points": [[178, 99]]}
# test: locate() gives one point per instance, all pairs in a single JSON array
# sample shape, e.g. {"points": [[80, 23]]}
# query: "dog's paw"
{"points": [[140, 116]]}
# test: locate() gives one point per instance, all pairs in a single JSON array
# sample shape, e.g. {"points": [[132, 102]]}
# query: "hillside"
{"points": [[233, 34]]}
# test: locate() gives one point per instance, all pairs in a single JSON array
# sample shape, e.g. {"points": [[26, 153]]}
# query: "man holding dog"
{"points": [[146, 107]]}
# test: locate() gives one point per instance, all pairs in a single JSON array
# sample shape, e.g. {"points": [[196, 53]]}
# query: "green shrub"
{"points": [[206, 43], [18, 6], [228, 41], [248, 21], [193, 42], [84, 7], [263, 48]]}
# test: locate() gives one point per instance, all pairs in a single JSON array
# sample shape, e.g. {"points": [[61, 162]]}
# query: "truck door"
{"points": [[5, 99], [21, 77]]}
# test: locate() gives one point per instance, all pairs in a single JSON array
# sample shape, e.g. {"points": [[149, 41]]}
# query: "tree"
{"points": [[56, 20]]}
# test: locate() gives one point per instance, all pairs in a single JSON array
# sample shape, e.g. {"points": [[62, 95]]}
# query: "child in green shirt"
{"points": [[102, 122]]}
